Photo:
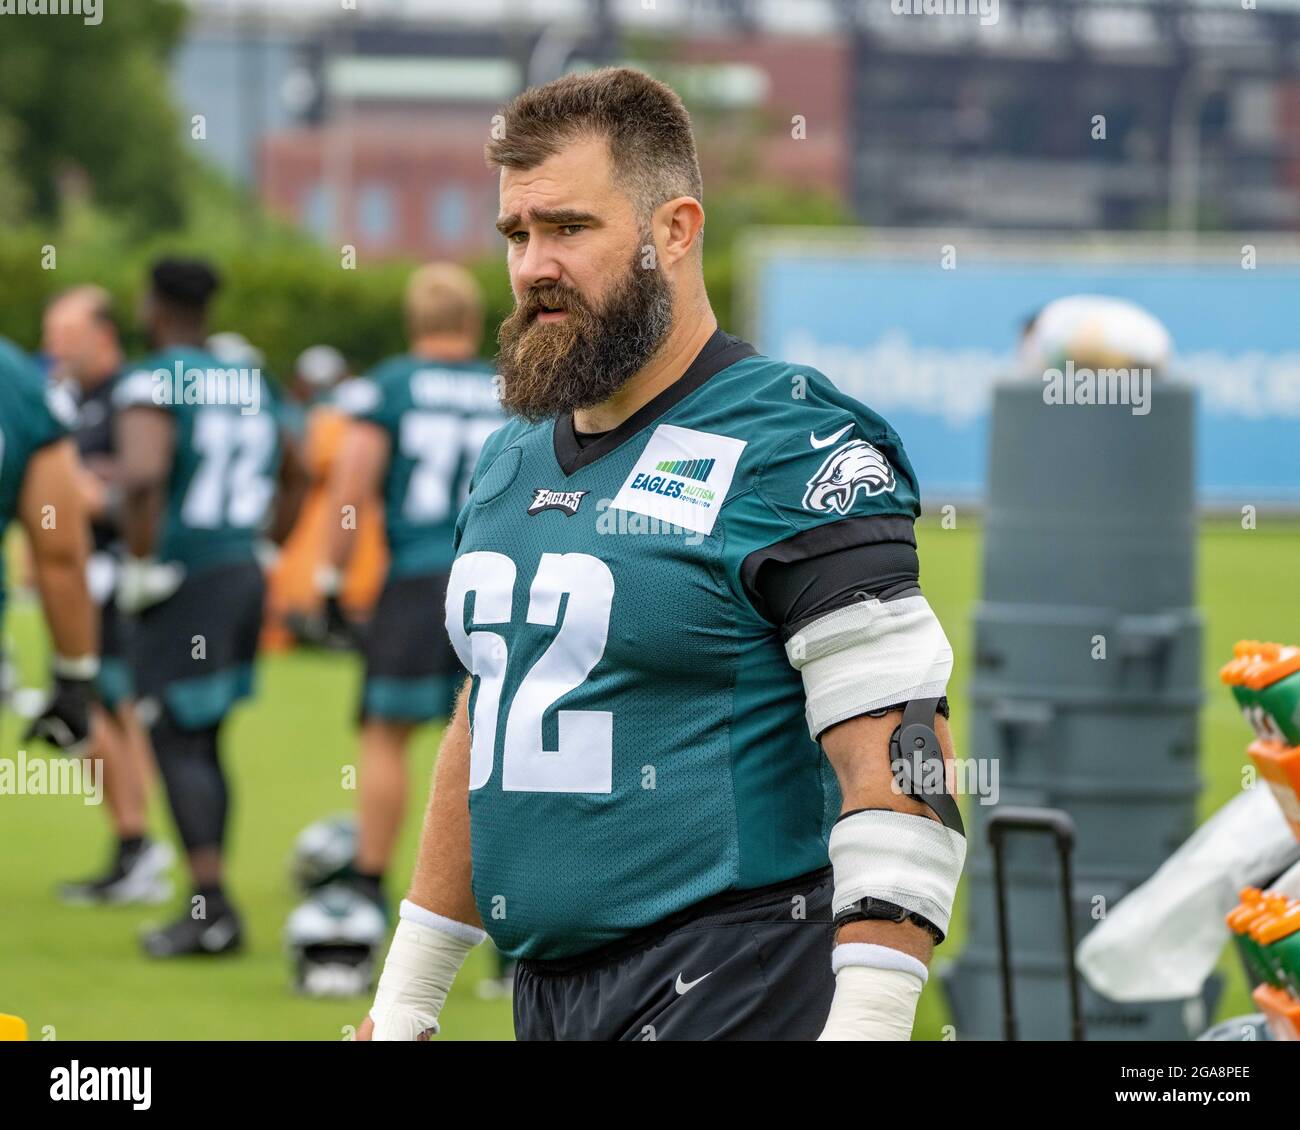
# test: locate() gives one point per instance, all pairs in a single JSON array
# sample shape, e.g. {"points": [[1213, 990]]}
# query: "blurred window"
{"points": [[318, 210], [375, 213], [451, 210]]}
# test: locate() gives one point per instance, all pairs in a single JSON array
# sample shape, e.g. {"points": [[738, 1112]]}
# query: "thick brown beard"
{"points": [[550, 369]]}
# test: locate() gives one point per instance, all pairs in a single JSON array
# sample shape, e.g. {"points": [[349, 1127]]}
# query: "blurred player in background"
{"points": [[234, 349], [38, 486], [418, 423], [81, 339], [318, 370], [206, 470], [294, 605]]}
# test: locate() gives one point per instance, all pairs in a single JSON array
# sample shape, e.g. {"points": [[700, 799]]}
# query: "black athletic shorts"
{"points": [[411, 671], [113, 683], [194, 652], [744, 965]]}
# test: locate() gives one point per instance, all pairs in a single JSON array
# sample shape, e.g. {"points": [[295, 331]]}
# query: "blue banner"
{"points": [[923, 346]]}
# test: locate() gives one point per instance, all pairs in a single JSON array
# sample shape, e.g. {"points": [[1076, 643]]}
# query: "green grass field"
{"points": [[78, 973]]}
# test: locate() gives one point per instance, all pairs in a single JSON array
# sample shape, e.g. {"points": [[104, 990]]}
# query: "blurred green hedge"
{"points": [[284, 292], [280, 290]]}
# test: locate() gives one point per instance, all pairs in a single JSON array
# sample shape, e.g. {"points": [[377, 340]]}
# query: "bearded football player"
{"points": [[689, 786]]}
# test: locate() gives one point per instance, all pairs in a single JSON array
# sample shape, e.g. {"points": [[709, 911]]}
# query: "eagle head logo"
{"points": [[852, 467]]}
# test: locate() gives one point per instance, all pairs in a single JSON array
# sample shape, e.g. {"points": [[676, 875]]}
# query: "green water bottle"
{"points": [[1278, 937]]}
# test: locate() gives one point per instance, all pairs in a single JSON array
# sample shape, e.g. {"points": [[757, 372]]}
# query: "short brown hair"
{"points": [[651, 144], [443, 298], [97, 300]]}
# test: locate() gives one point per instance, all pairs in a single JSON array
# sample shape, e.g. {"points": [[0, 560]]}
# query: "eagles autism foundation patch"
{"points": [[682, 477]]}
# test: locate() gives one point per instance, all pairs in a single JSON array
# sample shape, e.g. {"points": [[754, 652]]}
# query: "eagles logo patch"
{"points": [[567, 501], [852, 467]]}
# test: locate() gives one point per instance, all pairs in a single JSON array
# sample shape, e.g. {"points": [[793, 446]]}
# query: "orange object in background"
{"points": [[1281, 1011], [1251, 906], [1279, 766], [12, 1027], [1246, 654], [291, 586]]}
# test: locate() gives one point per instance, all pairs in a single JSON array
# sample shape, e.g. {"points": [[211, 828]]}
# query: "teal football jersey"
{"points": [[639, 740], [33, 414], [437, 415], [226, 457]]}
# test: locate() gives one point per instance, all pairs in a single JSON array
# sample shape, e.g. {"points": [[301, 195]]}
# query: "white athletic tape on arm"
{"points": [[912, 861], [867, 655], [427, 953], [872, 1004]]}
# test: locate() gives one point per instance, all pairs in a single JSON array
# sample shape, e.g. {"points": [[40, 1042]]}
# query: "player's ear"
{"points": [[681, 220]]}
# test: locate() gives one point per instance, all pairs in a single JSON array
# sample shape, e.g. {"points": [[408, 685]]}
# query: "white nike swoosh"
{"points": [[687, 986], [812, 437]]}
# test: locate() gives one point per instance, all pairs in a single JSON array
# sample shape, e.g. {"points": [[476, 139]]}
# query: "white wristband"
{"points": [[329, 579], [267, 553], [873, 956], [83, 667], [872, 1004], [426, 954], [414, 912]]}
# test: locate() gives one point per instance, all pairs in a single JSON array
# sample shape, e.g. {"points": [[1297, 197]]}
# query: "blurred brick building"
{"points": [[368, 127], [394, 163]]}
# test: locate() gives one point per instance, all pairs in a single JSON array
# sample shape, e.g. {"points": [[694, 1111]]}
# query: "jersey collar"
{"points": [[720, 352]]}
